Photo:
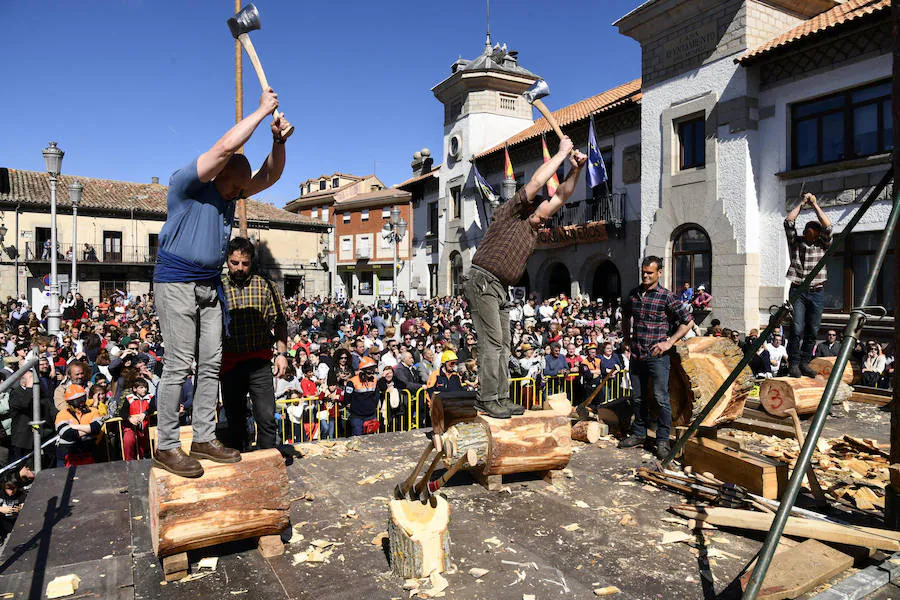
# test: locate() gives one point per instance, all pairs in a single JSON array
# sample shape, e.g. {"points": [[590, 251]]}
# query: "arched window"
{"points": [[692, 255], [456, 269]]}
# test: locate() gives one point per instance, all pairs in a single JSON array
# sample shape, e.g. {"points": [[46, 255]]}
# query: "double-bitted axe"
{"points": [[241, 25], [533, 95]]}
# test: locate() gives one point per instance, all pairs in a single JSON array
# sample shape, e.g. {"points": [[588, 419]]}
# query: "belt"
{"points": [[485, 272]]}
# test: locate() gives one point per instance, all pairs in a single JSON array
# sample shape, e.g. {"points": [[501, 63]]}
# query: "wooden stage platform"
{"points": [[92, 521]]}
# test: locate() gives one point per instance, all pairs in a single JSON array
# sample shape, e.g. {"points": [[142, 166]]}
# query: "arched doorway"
{"points": [[560, 281], [607, 283], [692, 256], [456, 269]]}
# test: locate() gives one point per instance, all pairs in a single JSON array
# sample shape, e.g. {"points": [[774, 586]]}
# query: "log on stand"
{"points": [[699, 366], [230, 502], [419, 540], [450, 408], [824, 365], [779, 394]]}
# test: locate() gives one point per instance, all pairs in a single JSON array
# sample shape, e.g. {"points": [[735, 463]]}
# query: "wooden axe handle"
{"points": [[423, 483], [542, 108], [261, 75], [470, 457], [404, 487]]}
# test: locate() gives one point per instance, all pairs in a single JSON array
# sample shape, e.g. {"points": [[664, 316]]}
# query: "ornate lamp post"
{"points": [[53, 160], [75, 190], [395, 231]]}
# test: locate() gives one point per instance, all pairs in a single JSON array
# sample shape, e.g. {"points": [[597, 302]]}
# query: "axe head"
{"points": [[245, 21], [537, 91]]}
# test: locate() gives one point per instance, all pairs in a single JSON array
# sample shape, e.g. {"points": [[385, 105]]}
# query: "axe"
{"points": [[423, 483], [241, 25], [533, 95], [402, 489], [470, 458]]}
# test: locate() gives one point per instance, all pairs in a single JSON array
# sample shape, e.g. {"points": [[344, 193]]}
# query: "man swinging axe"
{"points": [[187, 286], [498, 263]]}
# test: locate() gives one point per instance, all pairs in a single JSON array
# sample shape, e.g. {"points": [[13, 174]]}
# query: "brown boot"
{"points": [[177, 462], [214, 450]]}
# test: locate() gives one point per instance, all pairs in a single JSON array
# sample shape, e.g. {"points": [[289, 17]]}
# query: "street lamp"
{"points": [[3, 232], [53, 159], [395, 231], [75, 189]]}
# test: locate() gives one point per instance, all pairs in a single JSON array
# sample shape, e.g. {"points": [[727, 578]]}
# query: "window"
{"points": [[456, 269], [848, 269], [301, 191], [324, 213], [456, 203], [346, 218], [314, 213], [692, 254], [692, 143], [850, 124], [365, 214], [153, 247], [322, 184], [336, 182], [507, 102], [364, 246], [113, 283], [386, 212], [432, 218], [308, 187], [346, 245], [41, 236], [365, 282], [112, 246]]}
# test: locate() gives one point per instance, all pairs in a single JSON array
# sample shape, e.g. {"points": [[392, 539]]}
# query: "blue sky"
{"points": [[136, 88]]}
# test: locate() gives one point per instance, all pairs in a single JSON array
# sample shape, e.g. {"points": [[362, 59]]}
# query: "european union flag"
{"points": [[596, 168]]}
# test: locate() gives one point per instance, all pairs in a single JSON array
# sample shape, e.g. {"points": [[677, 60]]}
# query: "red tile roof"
{"points": [[423, 176], [627, 93], [838, 16], [33, 188]]}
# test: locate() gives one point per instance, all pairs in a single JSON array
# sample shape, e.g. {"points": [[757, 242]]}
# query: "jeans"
{"points": [[807, 318], [489, 305], [326, 429], [642, 369], [356, 424], [190, 319], [252, 376]]}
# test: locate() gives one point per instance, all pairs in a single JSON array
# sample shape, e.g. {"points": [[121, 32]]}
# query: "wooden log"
{"points": [[867, 537], [803, 394], [586, 431], [759, 474], [419, 539], [462, 437], [230, 502], [536, 441], [824, 365], [450, 408], [558, 403], [699, 367]]}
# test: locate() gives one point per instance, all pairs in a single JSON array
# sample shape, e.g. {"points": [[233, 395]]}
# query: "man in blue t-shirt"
{"points": [[187, 284]]}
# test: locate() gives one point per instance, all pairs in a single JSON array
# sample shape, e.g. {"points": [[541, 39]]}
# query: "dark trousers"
{"points": [[807, 318], [252, 376], [642, 369], [489, 305], [356, 424]]}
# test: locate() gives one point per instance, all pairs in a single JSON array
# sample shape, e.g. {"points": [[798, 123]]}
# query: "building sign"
{"points": [[559, 237], [694, 42]]}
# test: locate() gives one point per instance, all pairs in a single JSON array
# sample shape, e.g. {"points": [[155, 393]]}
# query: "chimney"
{"points": [[154, 180], [421, 162]]}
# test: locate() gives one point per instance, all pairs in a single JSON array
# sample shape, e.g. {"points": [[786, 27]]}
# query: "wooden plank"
{"points": [[760, 427], [760, 475], [867, 398], [799, 570], [867, 537], [176, 566]]}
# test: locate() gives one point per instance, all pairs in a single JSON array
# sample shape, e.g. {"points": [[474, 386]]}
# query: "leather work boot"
{"points": [[632, 440], [177, 462], [662, 450], [493, 408], [807, 371], [794, 371], [214, 450], [514, 409]]}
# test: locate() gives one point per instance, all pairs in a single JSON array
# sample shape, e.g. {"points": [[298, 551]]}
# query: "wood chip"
{"points": [[377, 540], [627, 520], [609, 590], [571, 527], [477, 572], [674, 537]]}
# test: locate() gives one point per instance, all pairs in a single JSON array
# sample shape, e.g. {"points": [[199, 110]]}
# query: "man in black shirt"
{"points": [[830, 347]]}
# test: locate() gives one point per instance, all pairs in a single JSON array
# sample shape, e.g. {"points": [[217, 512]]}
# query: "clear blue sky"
{"points": [[136, 88]]}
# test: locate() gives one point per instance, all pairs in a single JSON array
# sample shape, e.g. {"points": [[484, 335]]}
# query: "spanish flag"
{"points": [[508, 170], [553, 183]]}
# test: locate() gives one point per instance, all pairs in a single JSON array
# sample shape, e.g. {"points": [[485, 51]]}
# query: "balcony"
{"points": [[609, 209], [136, 255]]}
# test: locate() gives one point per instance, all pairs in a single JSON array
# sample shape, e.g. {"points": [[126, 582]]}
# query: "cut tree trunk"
{"points": [[586, 431], [461, 438], [823, 366], [230, 502], [558, 403], [699, 367], [420, 542], [802, 394], [539, 440], [450, 408]]}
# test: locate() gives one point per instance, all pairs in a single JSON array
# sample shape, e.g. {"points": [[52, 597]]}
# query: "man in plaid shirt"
{"points": [[257, 321], [649, 314]]}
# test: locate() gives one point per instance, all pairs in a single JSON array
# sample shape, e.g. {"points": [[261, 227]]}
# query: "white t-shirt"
{"points": [[776, 355]]}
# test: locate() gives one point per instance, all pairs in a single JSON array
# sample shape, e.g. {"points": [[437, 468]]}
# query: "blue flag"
{"points": [[487, 192], [596, 172]]}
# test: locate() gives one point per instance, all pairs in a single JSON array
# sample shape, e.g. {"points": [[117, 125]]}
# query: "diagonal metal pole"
{"points": [[851, 335], [776, 319]]}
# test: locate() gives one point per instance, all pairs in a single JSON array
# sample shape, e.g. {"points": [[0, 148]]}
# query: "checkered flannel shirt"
{"points": [[509, 240], [805, 256], [255, 308], [655, 313]]}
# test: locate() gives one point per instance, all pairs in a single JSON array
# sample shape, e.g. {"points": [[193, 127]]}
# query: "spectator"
{"points": [[830, 347], [702, 300], [873, 366], [78, 427], [12, 499], [687, 296], [361, 396], [778, 355], [135, 413]]}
